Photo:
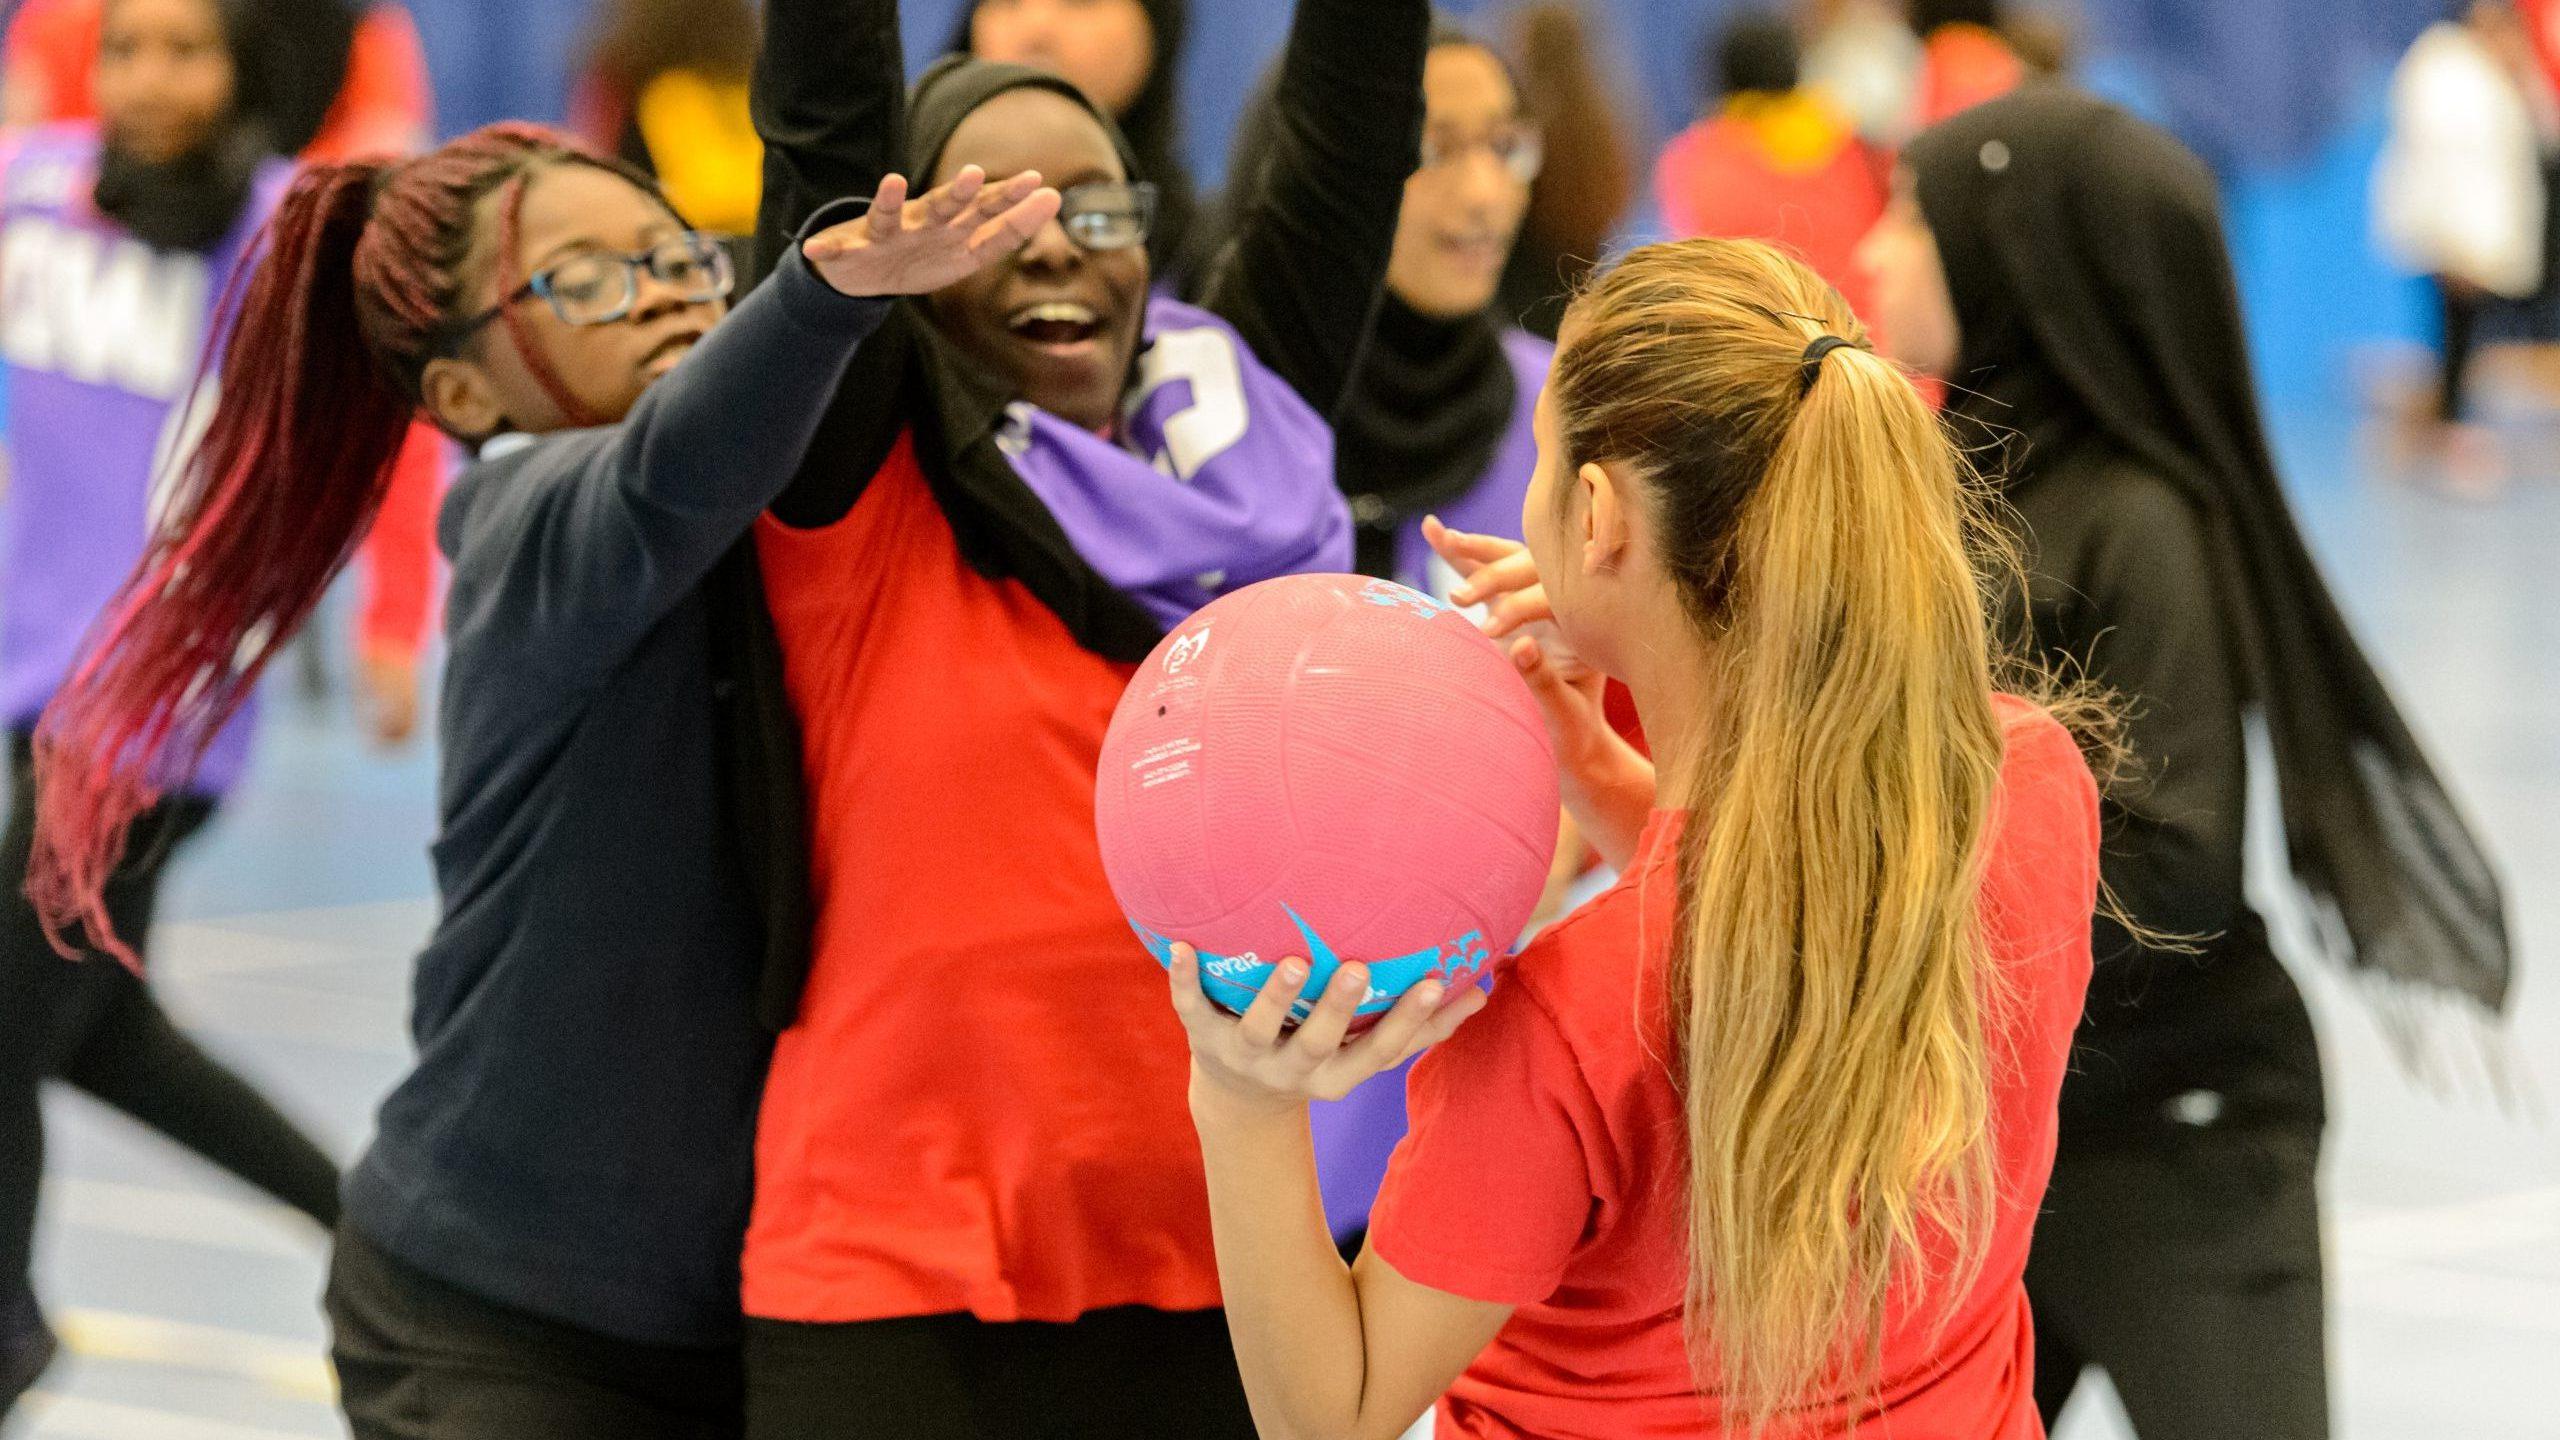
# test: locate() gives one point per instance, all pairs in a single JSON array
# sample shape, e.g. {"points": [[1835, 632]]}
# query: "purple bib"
{"points": [[1222, 474], [101, 335]]}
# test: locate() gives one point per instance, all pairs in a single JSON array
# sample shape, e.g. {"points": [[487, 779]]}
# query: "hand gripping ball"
{"points": [[1332, 767]]}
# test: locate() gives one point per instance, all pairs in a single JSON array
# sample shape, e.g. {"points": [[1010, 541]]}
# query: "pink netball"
{"points": [[1333, 767]]}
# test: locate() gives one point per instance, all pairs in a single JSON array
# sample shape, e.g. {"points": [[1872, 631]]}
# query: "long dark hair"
{"points": [[363, 267]]}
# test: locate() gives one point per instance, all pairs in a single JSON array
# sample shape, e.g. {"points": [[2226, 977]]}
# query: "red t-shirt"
{"points": [[1544, 1169], [982, 1107], [1725, 177]]}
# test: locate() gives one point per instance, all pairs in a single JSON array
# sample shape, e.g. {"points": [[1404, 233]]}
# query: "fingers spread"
{"points": [[1320, 1034], [949, 200], [1017, 225], [1443, 1023], [1269, 1012], [888, 206]]}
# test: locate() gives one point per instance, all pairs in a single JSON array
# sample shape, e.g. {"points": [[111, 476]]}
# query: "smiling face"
{"points": [[164, 78], [1460, 216], [1058, 323], [567, 210]]}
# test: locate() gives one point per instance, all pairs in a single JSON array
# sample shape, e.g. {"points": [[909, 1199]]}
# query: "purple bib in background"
{"points": [[1357, 1134], [101, 335], [1222, 476]]}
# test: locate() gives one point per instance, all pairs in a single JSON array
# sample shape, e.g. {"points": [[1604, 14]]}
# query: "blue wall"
{"points": [[2284, 96]]}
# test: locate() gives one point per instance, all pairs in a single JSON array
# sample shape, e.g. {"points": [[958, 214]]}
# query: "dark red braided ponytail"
{"points": [[362, 269]]}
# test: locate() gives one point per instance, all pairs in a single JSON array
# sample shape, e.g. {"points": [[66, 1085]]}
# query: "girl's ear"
{"points": [[1605, 532], [461, 398]]}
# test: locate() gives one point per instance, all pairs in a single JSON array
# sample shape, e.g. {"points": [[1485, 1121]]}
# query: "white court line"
{"points": [[2434, 1232], [289, 1367], [187, 1217], [76, 1417]]}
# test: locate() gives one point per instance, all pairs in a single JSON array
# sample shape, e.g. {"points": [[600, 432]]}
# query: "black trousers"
{"points": [[2191, 1273], [420, 1360], [1118, 1374], [2453, 364], [92, 1023]]}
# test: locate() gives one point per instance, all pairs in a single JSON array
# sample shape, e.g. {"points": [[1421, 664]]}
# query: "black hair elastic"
{"points": [[1813, 353]]}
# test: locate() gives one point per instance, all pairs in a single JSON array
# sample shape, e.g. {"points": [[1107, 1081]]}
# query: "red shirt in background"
{"points": [[1960, 67], [983, 1105], [1784, 169], [1545, 1167]]}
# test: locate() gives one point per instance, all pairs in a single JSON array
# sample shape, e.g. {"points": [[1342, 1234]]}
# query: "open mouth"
{"points": [[668, 351], [1055, 324]]}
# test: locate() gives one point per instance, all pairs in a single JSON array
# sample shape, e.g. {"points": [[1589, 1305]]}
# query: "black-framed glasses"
{"points": [[1519, 149], [1108, 214], [599, 287]]}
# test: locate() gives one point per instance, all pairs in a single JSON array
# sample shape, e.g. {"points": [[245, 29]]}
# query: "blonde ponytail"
{"points": [[1828, 984]]}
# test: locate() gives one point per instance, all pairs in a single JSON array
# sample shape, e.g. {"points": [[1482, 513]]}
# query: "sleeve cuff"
{"points": [[1462, 1276], [813, 301]]}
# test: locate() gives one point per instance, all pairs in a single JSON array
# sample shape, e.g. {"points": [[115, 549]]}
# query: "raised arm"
{"points": [[1300, 275], [575, 556], [829, 99]]}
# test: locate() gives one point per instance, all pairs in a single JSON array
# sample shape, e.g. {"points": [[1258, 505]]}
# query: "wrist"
{"points": [[1614, 779], [1221, 1109]]}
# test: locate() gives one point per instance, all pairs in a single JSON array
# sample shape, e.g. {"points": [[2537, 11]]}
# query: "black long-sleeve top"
{"points": [[2122, 591], [576, 1138], [1299, 278]]}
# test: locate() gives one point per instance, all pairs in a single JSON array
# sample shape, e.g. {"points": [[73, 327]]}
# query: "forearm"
{"points": [[829, 102], [1312, 241], [1610, 799], [1292, 1309], [731, 425]]}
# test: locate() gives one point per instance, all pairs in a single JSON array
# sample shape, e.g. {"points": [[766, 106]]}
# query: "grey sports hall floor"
{"points": [[187, 1304]]}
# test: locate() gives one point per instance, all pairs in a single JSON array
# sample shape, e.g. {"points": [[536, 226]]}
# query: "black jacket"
{"points": [[577, 1137], [2121, 591]]}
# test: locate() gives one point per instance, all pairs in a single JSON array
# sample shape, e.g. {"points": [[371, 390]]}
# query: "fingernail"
{"points": [[1430, 991], [1293, 971]]}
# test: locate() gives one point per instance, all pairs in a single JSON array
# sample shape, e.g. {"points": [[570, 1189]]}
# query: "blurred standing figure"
{"points": [[1862, 54], [1965, 57], [2063, 264], [1773, 160], [1126, 55], [374, 99], [2460, 194], [1592, 170], [382, 104], [665, 88], [123, 236]]}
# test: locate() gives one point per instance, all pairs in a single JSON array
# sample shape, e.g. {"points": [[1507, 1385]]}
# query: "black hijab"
{"points": [[1432, 399], [1152, 128], [289, 58], [2084, 250]]}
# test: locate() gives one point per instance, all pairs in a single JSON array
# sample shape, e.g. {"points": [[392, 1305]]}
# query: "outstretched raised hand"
{"points": [[913, 247]]}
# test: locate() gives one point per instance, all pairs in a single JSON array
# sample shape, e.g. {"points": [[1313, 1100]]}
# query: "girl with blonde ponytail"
{"points": [[1751, 1144]]}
